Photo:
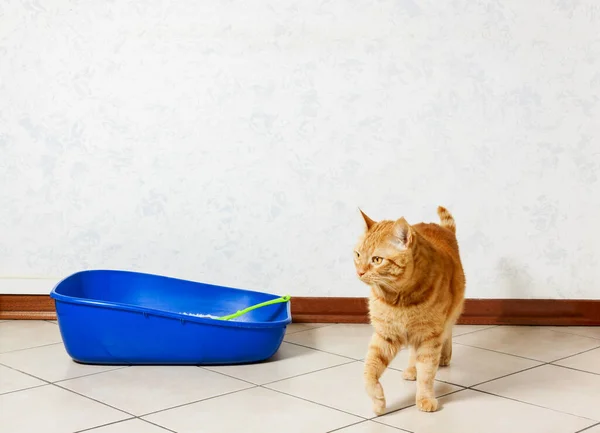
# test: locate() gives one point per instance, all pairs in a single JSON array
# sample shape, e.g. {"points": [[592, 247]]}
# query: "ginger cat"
{"points": [[417, 294]]}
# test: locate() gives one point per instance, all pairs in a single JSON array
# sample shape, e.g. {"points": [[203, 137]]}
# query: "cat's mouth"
{"points": [[365, 278], [375, 280], [371, 279], [368, 282]]}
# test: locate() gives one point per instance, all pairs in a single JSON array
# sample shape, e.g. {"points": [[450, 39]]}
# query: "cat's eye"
{"points": [[356, 254], [377, 260]]}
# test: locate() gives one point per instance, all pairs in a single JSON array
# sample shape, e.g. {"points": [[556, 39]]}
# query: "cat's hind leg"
{"points": [[446, 352], [410, 372]]}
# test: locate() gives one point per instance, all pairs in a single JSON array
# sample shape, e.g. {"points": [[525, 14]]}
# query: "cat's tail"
{"points": [[446, 219]]}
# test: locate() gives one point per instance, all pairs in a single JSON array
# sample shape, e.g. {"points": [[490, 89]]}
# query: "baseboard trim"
{"points": [[550, 312], [547, 312], [27, 307]]}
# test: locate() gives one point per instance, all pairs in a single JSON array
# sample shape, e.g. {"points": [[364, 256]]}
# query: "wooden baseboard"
{"points": [[551, 312], [34, 307], [547, 312]]}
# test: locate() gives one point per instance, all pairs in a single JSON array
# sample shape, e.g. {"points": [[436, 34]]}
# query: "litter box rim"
{"points": [[132, 308]]}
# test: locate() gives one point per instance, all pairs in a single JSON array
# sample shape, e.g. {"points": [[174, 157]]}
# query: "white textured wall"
{"points": [[232, 141]]}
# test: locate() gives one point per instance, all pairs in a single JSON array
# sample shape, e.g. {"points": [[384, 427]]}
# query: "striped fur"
{"points": [[417, 294], [446, 219]]}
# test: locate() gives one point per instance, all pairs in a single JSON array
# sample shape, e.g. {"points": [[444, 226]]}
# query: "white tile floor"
{"points": [[502, 379]]}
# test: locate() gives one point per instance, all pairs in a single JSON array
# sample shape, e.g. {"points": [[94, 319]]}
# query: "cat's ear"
{"points": [[403, 235], [368, 221]]}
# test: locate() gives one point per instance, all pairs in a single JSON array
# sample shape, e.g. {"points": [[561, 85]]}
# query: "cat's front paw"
{"points": [[379, 406], [375, 391], [427, 404], [410, 373]]}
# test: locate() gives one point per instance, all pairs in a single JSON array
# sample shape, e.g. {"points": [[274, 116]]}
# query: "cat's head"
{"points": [[383, 254]]}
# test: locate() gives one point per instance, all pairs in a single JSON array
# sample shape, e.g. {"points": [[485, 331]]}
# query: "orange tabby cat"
{"points": [[417, 293]]}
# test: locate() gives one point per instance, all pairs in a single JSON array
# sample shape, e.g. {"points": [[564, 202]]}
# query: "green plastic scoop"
{"points": [[281, 300]]}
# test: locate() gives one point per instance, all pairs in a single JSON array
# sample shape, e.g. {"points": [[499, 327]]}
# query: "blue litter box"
{"points": [[121, 317]]}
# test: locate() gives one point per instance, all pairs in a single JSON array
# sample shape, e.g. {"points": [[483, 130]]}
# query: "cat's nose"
{"points": [[360, 273]]}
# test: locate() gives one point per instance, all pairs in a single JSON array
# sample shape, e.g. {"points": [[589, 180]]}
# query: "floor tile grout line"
{"points": [[310, 329], [104, 425], [497, 351], [32, 347], [93, 399], [543, 364], [387, 425], [507, 375], [445, 382], [315, 402], [62, 380], [587, 428], [366, 421], [125, 420], [323, 351], [349, 361], [24, 389], [576, 354], [531, 404], [487, 327], [524, 357], [141, 417], [196, 401], [132, 416], [560, 332], [573, 333], [207, 368], [307, 373], [47, 382], [91, 374], [574, 369], [157, 425], [347, 426]]}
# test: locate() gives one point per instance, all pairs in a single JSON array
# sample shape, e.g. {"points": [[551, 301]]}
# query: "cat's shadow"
{"points": [[407, 403], [397, 405]]}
